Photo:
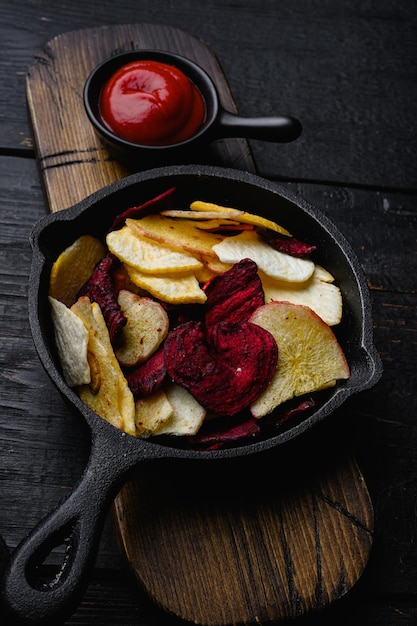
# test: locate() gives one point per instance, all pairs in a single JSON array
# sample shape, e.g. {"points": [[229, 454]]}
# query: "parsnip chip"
{"points": [[309, 355], [322, 297], [241, 216], [187, 416], [148, 256], [152, 413], [71, 338], [172, 288], [275, 264], [146, 328], [110, 397], [74, 267], [176, 234]]}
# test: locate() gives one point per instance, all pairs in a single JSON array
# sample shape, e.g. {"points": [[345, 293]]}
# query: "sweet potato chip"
{"points": [[226, 369], [171, 288], [71, 338], [111, 398], [275, 264], [74, 267], [244, 217], [146, 255], [176, 234]]}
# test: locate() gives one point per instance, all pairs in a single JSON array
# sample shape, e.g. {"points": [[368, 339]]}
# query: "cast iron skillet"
{"points": [[113, 454]]}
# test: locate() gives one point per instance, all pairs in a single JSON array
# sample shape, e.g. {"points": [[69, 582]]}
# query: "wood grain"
{"points": [[227, 555]]}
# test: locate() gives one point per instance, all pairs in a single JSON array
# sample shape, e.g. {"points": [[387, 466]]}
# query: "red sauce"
{"points": [[151, 103]]}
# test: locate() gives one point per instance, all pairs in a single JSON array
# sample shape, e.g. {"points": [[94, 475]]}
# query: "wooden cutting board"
{"points": [[243, 541]]}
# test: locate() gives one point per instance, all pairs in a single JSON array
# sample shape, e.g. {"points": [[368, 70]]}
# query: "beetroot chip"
{"points": [[228, 435], [288, 245], [159, 203], [148, 377], [234, 295], [302, 407], [225, 369], [100, 288]]}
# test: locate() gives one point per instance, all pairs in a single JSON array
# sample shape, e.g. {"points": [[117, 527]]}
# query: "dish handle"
{"points": [[77, 522]]}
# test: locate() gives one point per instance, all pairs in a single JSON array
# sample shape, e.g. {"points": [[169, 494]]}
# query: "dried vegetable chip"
{"points": [[202, 215], [244, 217], [100, 288], [71, 338], [225, 369], [289, 245], [74, 267], [176, 234], [146, 255], [175, 289], [228, 434], [234, 295], [322, 297], [275, 264], [110, 397], [146, 328], [309, 359], [151, 413], [158, 203], [148, 378], [187, 415]]}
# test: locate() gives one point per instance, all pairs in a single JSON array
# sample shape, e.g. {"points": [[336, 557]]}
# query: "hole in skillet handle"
{"points": [[218, 122]]}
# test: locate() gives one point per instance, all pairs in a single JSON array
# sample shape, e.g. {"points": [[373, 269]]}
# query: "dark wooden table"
{"points": [[348, 71]]}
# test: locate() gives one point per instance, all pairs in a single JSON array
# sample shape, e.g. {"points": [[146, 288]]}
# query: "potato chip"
{"points": [[244, 217], [113, 399], [146, 328], [187, 415], [273, 263], [74, 267], [148, 256], [176, 234], [322, 297], [172, 288], [71, 338], [152, 413], [309, 355]]}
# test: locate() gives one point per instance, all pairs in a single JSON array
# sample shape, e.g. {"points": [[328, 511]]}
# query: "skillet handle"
{"points": [[77, 522], [273, 129]]}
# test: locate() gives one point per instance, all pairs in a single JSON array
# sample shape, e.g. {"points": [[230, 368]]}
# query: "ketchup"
{"points": [[151, 103]]}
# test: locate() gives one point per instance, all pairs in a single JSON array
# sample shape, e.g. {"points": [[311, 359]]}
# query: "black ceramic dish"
{"points": [[219, 123], [113, 454]]}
